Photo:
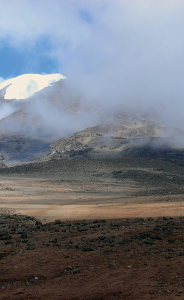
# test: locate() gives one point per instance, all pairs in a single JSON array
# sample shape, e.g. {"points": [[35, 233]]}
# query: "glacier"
{"points": [[24, 86]]}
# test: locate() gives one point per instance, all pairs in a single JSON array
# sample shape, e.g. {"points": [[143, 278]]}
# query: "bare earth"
{"points": [[130, 245], [49, 201]]}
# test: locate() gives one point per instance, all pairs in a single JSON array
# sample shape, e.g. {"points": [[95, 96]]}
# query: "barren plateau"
{"points": [[99, 229]]}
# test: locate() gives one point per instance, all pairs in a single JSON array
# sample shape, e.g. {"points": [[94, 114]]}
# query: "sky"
{"points": [[127, 52], [15, 61]]}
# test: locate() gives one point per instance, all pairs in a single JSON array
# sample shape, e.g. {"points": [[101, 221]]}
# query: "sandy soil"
{"points": [[49, 199]]}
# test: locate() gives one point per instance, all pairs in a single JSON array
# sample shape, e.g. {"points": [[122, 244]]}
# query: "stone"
{"points": [[113, 265], [75, 271], [6, 237], [23, 235], [87, 249], [38, 223], [57, 221], [30, 247]]}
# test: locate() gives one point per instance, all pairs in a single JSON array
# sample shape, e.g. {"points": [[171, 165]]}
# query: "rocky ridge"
{"points": [[109, 139]]}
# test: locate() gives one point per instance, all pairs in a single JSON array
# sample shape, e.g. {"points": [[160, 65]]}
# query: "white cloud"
{"points": [[131, 53], [6, 109]]}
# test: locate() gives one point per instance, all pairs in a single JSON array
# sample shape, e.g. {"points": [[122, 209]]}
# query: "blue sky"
{"points": [[16, 61], [34, 53]]}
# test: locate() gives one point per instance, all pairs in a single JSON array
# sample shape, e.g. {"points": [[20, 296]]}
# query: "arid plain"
{"points": [[92, 229], [88, 189]]}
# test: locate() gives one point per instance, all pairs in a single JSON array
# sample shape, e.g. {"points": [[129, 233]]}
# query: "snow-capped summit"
{"points": [[24, 86]]}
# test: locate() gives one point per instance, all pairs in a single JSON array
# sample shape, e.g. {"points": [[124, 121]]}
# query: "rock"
{"points": [[113, 265], [3, 232], [102, 237], [95, 221], [54, 241], [87, 249], [171, 241], [72, 270], [8, 242], [75, 271], [148, 242], [6, 237], [123, 242], [57, 221], [82, 229], [68, 246], [158, 228], [111, 240], [32, 281], [38, 223], [94, 226], [2, 222], [84, 222], [32, 228], [23, 235], [19, 231], [30, 247]]}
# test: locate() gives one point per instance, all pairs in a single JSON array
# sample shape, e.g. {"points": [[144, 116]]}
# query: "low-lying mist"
{"points": [[52, 113], [61, 111]]}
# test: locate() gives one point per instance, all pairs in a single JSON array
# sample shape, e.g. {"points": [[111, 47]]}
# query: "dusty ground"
{"points": [[114, 259], [125, 253], [85, 188]]}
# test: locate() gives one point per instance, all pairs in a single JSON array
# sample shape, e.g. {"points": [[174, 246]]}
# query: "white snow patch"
{"points": [[24, 86]]}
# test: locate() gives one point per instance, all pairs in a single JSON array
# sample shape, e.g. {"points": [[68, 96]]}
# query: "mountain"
{"points": [[109, 139], [28, 126], [24, 86], [55, 123]]}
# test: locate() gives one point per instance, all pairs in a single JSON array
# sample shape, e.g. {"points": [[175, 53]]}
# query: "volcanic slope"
{"points": [[24, 134], [31, 132], [123, 136]]}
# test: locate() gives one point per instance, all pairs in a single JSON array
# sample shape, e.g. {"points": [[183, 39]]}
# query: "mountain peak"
{"points": [[24, 86]]}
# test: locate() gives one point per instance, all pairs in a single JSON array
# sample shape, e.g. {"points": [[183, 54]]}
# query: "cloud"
{"points": [[113, 52], [55, 122], [6, 109]]}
